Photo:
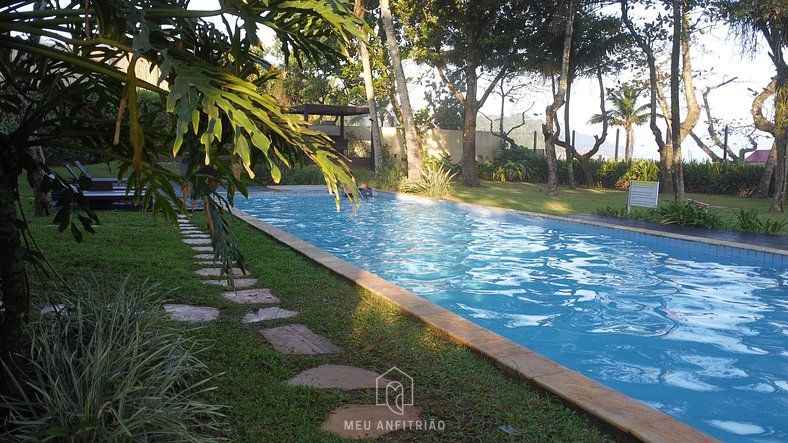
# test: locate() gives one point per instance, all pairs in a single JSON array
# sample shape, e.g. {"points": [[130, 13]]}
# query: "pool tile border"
{"points": [[618, 410]]}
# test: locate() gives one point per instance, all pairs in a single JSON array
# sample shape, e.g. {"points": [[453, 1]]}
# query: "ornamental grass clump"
{"points": [[434, 181], [110, 366]]}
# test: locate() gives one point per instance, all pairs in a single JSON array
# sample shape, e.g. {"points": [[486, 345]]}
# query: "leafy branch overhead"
{"points": [[210, 91]]}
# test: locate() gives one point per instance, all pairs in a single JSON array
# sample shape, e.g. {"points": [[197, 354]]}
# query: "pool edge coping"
{"points": [[612, 407]]}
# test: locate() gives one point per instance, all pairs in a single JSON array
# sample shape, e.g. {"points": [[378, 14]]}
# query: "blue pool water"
{"points": [[698, 332]]}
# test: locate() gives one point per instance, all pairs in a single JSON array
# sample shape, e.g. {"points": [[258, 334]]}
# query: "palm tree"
{"points": [[626, 113]]}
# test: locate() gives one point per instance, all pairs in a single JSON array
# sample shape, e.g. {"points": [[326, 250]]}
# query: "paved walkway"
{"points": [[293, 338]]}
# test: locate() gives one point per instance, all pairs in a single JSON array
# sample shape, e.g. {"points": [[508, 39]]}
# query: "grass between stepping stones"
{"points": [[453, 384]]}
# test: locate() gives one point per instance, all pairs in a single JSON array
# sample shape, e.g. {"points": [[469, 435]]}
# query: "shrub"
{"points": [[751, 222], [686, 214], [639, 170], [512, 172], [635, 213], [434, 182], [732, 178], [485, 170], [110, 367]]}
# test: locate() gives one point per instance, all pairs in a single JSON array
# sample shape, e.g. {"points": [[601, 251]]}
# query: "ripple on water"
{"points": [[697, 336], [736, 427]]}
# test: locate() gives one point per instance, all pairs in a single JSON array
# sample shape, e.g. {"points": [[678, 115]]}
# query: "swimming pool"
{"points": [[696, 330]]}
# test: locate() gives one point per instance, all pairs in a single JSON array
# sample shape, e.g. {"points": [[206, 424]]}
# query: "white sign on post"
{"points": [[643, 193]]}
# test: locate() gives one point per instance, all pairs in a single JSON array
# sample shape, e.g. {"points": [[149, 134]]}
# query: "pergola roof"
{"points": [[338, 110]]}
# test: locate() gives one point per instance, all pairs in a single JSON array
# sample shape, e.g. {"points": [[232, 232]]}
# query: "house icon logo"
{"points": [[394, 388]]}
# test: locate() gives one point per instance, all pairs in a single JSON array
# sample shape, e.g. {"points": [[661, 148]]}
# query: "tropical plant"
{"points": [[512, 172], [749, 220], [682, 213], [434, 182], [625, 113], [109, 366], [639, 170], [224, 124]]}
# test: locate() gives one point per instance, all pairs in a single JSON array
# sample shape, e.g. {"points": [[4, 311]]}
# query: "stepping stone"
{"points": [[191, 231], [206, 264], [298, 339], [338, 377], [197, 241], [240, 283], [204, 257], [268, 314], [251, 296], [184, 221], [192, 314], [196, 236], [202, 249], [216, 272], [367, 421]]}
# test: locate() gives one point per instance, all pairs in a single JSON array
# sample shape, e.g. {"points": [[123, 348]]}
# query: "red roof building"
{"points": [[758, 156]]}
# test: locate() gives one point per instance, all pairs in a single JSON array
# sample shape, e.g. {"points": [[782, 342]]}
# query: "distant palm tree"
{"points": [[626, 113]]}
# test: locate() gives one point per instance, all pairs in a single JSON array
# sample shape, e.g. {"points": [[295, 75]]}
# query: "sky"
{"points": [[716, 58]]}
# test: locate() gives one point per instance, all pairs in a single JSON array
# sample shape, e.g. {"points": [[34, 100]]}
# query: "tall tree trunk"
{"points": [[585, 159], [470, 106], [13, 287], [765, 184], [781, 139], [470, 109], [412, 141], [629, 151], [363, 54], [675, 103], [665, 150], [500, 123], [570, 149], [548, 129], [763, 124]]}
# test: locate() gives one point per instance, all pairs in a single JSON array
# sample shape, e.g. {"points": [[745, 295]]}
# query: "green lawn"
{"points": [[472, 395], [533, 197]]}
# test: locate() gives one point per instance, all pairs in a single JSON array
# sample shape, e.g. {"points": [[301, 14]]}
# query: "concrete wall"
{"points": [[435, 141]]}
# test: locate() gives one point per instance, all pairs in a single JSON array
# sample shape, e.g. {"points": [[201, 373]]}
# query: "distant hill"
{"points": [[524, 135]]}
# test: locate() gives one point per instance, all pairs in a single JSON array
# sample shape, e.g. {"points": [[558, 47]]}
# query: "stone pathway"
{"points": [[192, 314], [197, 241], [216, 272], [290, 339], [251, 296], [268, 314], [342, 377], [298, 339], [368, 421], [240, 283]]}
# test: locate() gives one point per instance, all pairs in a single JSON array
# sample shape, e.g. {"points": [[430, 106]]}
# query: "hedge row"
{"points": [[699, 177]]}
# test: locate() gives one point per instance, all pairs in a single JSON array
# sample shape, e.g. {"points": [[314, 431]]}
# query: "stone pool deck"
{"points": [[618, 410]]}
